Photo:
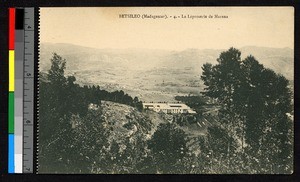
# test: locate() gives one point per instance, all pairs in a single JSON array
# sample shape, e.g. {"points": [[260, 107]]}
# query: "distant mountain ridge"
{"points": [[278, 59]]}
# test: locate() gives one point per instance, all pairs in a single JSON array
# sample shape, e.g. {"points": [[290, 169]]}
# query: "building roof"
{"points": [[162, 106]]}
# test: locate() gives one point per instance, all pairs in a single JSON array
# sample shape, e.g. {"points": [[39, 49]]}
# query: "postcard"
{"points": [[166, 90]]}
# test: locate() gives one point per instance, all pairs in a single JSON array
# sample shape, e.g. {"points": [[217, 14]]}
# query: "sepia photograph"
{"points": [[166, 90]]}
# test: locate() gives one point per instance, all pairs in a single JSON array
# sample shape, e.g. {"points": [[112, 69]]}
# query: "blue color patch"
{"points": [[11, 154]]}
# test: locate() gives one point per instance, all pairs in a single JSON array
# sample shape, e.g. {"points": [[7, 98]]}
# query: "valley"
{"points": [[152, 75]]}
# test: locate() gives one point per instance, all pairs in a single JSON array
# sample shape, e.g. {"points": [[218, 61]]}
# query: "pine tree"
{"points": [[254, 104]]}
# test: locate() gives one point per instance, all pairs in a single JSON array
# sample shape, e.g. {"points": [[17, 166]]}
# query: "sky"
{"points": [[102, 27]]}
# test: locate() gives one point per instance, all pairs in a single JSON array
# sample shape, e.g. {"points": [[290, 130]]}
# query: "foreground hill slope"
{"points": [[111, 138]]}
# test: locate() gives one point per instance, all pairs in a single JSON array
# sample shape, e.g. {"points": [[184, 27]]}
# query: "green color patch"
{"points": [[11, 112]]}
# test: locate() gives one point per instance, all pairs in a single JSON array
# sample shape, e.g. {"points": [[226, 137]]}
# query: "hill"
{"points": [[110, 139], [125, 121]]}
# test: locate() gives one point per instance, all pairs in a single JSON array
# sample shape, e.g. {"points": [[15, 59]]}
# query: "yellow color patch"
{"points": [[11, 67]]}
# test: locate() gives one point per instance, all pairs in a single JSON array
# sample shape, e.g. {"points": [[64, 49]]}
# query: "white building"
{"points": [[168, 107]]}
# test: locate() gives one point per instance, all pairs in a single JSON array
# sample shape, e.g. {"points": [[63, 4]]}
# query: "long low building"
{"points": [[169, 107]]}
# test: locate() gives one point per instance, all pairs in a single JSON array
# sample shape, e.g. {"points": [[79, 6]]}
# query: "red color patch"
{"points": [[11, 32]]}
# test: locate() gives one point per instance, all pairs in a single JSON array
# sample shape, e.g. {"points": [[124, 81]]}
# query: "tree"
{"points": [[254, 103], [218, 152], [57, 108], [57, 70], [138, 104], [222, 79], [168, 147], [268, 102], [51, 98]]}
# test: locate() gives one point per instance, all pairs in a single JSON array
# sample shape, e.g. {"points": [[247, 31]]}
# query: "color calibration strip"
{"points": [[21, 85], [11, 86]]}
